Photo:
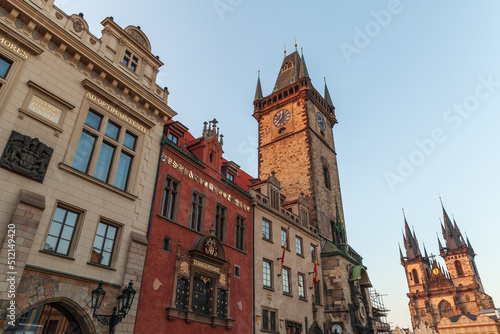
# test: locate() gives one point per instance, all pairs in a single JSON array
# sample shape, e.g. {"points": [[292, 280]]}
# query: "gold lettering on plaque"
{"points": [[45, 109], [206, 266]]}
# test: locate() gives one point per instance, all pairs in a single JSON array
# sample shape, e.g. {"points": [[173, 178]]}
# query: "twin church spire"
{"points": [[451, 233]]}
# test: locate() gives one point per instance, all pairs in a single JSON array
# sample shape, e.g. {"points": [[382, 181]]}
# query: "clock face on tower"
{"points": [[321, 121], [281, 117], [363, 318], [336, 329]]}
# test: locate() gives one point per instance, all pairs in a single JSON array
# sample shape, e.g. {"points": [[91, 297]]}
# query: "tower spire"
{"points": [[451, 235], [411, 244], [258, 90], [303, 68], [401, 254], [327, 95]]}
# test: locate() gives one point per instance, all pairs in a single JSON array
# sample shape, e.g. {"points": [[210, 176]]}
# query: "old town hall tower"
{"points": [[437, 292], [296, 144]]}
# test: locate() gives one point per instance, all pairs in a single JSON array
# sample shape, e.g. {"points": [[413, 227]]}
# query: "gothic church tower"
{"points": [[437, 292]]}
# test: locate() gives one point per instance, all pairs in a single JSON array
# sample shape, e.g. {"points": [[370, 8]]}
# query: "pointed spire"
{"points": [[339, 227], [401, 254], [303, 73], [425, 253], [450, 233], [327, 95], [469, 246], [411, 244], [439, 242], [284, 49], [258, 90]]}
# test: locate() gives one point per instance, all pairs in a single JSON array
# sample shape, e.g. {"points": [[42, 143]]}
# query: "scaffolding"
{"points": [[379, 312]]}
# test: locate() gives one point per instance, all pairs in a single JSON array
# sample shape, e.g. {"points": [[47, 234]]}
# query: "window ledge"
{"points": [[268, 240], [101, 266], [303, 299], [92, 179], [301, 255], [268, 288], [190, 316], [41, 119], [57, 254], [287, 294]]}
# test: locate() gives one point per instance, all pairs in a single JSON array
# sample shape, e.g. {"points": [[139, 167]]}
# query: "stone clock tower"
{"points": [[296, 143]]}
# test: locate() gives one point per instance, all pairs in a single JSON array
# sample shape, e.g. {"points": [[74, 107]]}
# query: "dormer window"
{"points": [[173, 138], [286, 66], [230, 177], [211, 157], [130, 60]]}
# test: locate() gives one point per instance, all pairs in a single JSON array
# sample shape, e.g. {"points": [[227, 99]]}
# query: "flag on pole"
{"points": [[315, 271], [284, 249]]}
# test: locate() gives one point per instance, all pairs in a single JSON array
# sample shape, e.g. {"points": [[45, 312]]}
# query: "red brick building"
{"points": [[198, 272]]}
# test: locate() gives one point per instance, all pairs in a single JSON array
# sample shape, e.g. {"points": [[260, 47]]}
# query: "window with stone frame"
{"points": [[220, 222], [298, 246], [459, 268], [170, 200], [269, 318], [313, 252], [106, 150], [266, 230], [284, 238], [221, 303], [202, 295], [5, 66], [104, 244], [130, 60], [182, 293], [240, 237], [286, 281], [326, 176], [197, 214], [301, 280], [267, 273], [317, 293], [63, 229], [275, 198]]}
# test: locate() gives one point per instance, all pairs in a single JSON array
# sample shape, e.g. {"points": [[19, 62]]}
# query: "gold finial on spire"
{"points": [[295, 41], [302, 51], [284, 49]]}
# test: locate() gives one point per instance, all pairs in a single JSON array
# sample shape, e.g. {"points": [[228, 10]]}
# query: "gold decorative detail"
{"points": [[45, 109], [206, 266], [184, 268], [205, 279], [211, 247], [205, 183], [269, 298], [222, 280]]}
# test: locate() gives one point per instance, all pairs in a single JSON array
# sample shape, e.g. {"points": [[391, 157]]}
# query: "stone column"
{"points": [[16, 246]]}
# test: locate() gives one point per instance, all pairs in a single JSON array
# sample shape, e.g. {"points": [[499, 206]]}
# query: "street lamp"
{"points": [[125, 301]]}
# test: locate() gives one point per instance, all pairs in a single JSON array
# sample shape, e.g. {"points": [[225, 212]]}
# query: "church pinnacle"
{"points": [[410, 242], [258, 90]]}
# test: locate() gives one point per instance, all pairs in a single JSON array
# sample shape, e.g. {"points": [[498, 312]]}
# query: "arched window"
{"points": [[326, 175], [458, 267], [415, 276], [445, 309]]}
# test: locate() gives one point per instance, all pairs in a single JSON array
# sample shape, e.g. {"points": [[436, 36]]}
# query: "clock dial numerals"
{"points": [[281, 118], [336, 329], [321, 121]]}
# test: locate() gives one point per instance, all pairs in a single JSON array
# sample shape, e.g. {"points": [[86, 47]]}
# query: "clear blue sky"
{"points": [[416, 86]]}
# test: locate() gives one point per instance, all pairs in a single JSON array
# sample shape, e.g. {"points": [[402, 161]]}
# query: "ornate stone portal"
{"points": [[26, 156]]}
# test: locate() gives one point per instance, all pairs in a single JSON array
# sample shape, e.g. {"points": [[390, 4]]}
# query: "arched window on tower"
{"points": [[326, 175], [458, 267], [445, 309], [415, 276]]}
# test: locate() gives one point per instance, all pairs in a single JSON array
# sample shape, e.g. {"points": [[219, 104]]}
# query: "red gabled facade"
{"points": [[198, 271]]}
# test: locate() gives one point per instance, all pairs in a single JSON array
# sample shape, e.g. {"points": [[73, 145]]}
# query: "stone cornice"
{"points": [[152, 106]]}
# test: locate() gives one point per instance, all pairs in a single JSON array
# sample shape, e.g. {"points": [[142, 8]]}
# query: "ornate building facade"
{"points": [[81, 120], [436, 292], [198, 275], [296, 143], [288, 298]]}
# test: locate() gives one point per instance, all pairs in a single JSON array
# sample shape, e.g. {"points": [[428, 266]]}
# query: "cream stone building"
{"points": [[81, 120], [286, 300], [468, 323]]}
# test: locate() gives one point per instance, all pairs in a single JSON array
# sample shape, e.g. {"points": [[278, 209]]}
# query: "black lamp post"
{"points": [[125, 301]]}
